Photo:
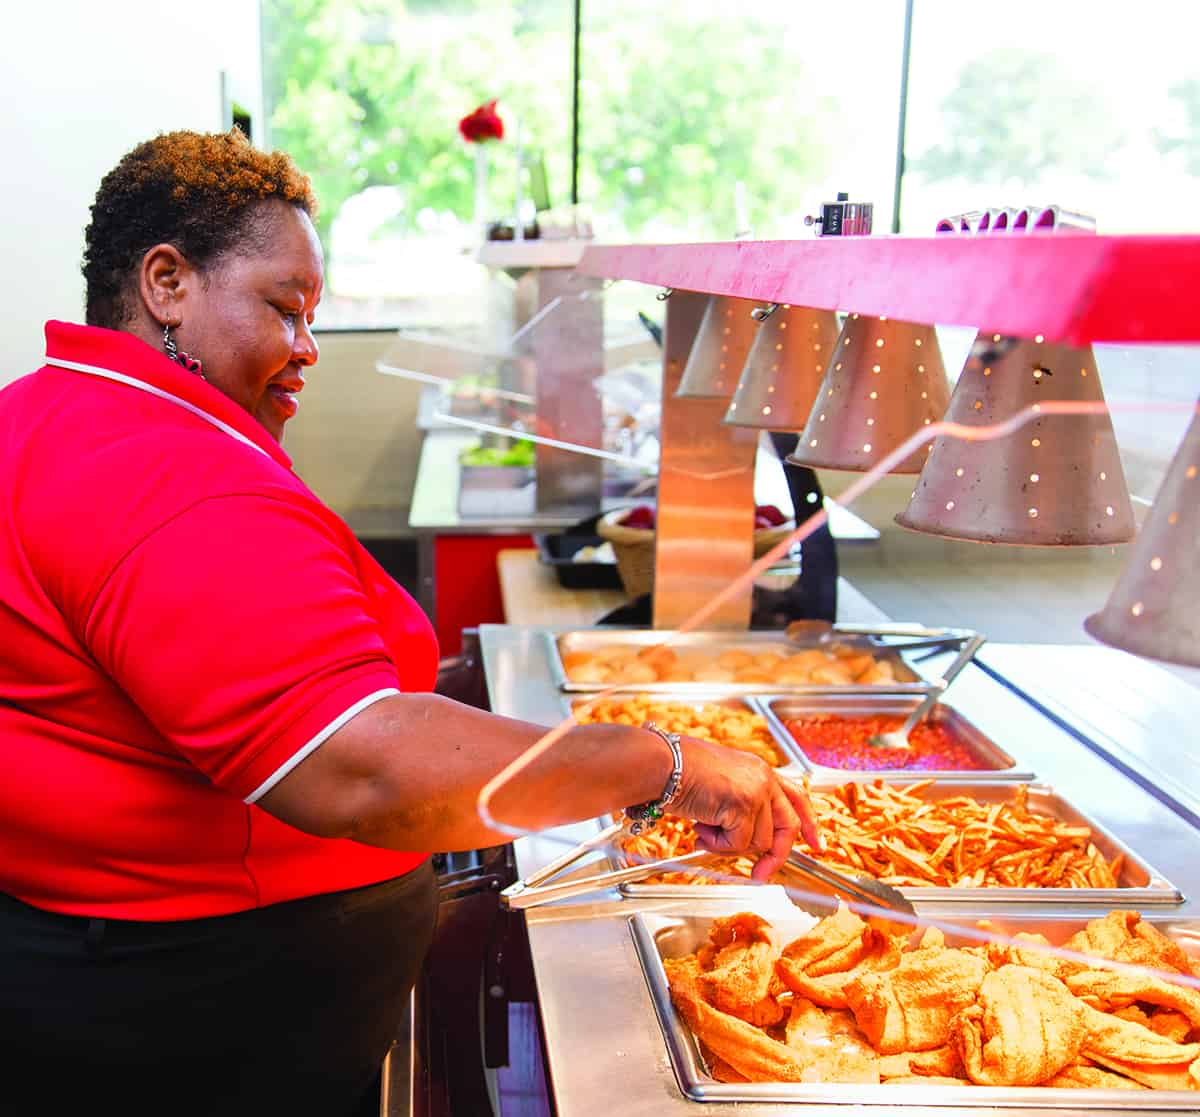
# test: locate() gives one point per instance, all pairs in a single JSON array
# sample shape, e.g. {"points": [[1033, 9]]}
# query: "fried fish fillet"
{"points": [[722, 1071], [834, 1048], [1024, 1029], [748, 1050], [880, 952], [1123, 936], [1174, 1025], [1135, 1051], [941, 1062], [818, 965], [910, 1007], [738, 967], [683, 976], [1108, 990], [1029, 950], [1162, 1021], [1084, 1076], [836, 936]]}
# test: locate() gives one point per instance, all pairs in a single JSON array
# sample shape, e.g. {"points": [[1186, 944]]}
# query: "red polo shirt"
{"points": [[181, 622]]}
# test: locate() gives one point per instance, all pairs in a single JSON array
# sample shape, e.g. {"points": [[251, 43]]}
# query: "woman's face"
{"points": [[249, 320]]}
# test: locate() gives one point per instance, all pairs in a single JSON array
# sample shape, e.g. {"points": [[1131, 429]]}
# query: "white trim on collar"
{"points": [[121, 378]]}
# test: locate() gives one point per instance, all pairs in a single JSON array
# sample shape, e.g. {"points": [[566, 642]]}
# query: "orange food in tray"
{"points": [[896, 835], [847, 1002], [773, 666], [732, 726]]}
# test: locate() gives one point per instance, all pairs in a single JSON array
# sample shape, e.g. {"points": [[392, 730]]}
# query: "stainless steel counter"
{"points": [[1140, 715], [605, 1052]]}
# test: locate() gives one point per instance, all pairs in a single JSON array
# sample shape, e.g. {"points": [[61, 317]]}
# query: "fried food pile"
{"points": [[899, 836], [782, 665], [672, 836], [736, 727], [848, 1003]]}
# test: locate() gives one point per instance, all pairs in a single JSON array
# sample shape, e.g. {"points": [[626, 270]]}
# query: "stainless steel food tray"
{"points": [[1140, 883], [779, 707], [667, 936], [792, 766], [593, 639]]}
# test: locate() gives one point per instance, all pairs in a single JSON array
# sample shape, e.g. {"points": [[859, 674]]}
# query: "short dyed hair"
{"points": [[197, 191]]}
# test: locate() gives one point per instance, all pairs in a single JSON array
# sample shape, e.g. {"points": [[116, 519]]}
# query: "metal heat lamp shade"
{"points": [[1152, 610], [784, 370], [884, 381], [1057, 481], [717, 355]]}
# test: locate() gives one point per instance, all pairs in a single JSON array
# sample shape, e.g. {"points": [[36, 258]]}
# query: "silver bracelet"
{"points": [[644, 815]]}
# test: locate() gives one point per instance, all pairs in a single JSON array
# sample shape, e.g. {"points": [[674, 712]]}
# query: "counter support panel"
{"points": [[705, 537]]}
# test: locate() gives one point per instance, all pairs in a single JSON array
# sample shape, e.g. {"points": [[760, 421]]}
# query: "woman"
{"points": [[223, 760]]}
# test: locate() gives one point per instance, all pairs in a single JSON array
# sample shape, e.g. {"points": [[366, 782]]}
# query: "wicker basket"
{"points": [[634, 549]]}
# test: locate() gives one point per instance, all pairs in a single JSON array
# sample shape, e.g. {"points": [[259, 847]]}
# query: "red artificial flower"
{"points": [[482, 124]]}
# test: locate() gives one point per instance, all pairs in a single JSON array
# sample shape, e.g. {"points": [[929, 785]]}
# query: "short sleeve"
{"points": [[242, 631]]}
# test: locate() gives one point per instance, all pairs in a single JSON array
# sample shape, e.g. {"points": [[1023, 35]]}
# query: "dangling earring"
{"points": [[182, 359], [169, 343]]}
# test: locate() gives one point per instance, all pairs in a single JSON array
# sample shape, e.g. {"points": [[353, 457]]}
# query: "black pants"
{"points": [[285, 1009], [814, 593]]}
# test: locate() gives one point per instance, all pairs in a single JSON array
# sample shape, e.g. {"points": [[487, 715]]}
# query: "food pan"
{"points": [[779, 708], [667, 936], [1139, 883], [592, 640], [791, 766]]}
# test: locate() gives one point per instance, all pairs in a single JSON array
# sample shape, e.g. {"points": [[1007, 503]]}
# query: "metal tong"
{"points": [[533, 890], [908, 637], [864, 892]]}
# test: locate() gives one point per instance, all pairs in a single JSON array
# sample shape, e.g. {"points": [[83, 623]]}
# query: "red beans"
{"points": [[840, 742]]}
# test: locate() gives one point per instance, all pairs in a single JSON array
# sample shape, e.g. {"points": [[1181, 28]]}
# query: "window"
{"points": [[1040, 104], [1035, 105], [367, 95], [698, 121]]}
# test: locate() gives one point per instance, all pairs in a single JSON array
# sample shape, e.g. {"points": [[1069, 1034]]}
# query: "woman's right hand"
{"points": [[739, 803]]}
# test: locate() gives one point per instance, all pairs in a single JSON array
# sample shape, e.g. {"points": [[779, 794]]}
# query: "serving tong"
{"points": [[534, 890], [906, 637], [872, 895]]}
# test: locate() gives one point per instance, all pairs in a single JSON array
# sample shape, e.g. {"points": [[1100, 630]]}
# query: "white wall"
{"points": [[81, 83]]}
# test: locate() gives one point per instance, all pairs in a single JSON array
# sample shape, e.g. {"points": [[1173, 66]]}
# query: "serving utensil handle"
{"points": [[521, 895], [572, 855], [965, 655]]}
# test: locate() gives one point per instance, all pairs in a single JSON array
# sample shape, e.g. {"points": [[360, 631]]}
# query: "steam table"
{"points": [[604, 1049]]}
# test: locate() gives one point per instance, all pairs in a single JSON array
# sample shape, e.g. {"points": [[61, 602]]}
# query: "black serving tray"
{"points": [[558, 551]]}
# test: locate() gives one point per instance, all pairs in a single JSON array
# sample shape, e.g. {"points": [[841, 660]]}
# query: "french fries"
{"points": [[898, 836], [709, 721]]}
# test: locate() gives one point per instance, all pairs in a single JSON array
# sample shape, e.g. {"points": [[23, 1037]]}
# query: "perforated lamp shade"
{"points": [[784, 369], [717, 355], [884, 381], [1057, 481], [1153, 609]]}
